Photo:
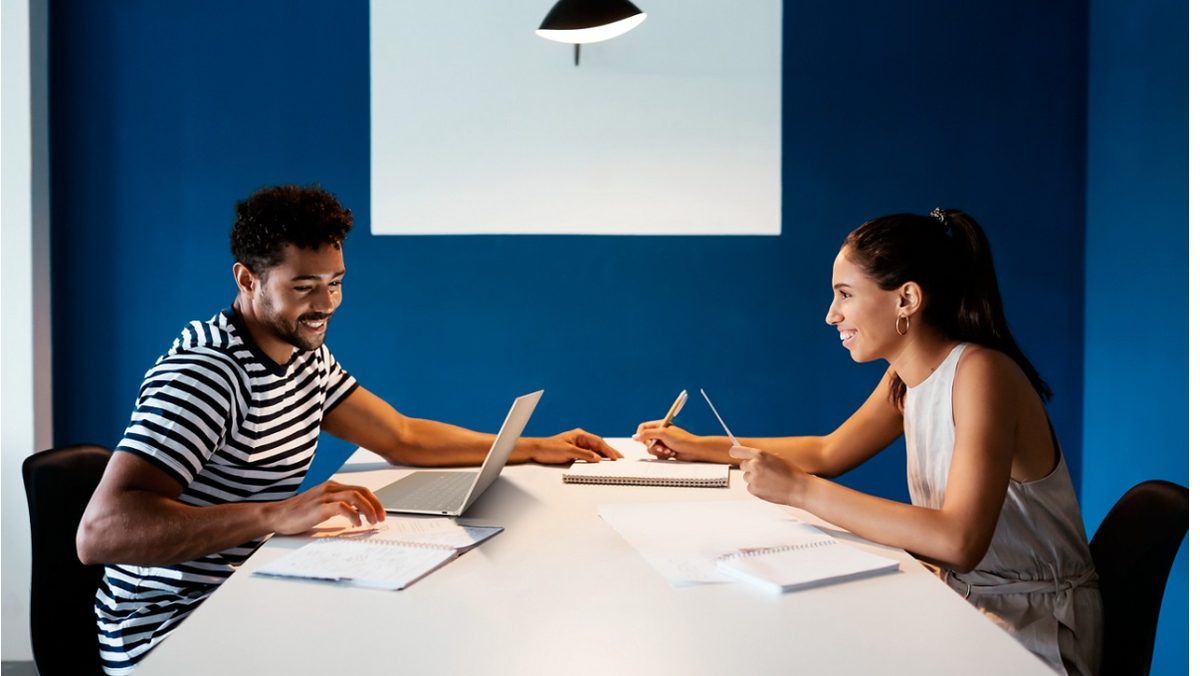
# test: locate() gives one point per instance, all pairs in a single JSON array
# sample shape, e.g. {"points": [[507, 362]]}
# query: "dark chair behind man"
{"points": [[62, 621]]}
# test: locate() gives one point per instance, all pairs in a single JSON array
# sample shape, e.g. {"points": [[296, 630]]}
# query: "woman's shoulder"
{"points": [[981, 363]]}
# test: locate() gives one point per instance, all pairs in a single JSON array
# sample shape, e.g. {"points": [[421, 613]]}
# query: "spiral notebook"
{"points": [[380, 558], [801, 566], [648, 472]]}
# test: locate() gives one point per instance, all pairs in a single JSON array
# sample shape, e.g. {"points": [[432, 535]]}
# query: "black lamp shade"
{"points": [[569, 15]]}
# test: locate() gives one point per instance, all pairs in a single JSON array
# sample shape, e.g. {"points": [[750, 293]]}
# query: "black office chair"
{"points": [[62, 622], [1133, 549]]}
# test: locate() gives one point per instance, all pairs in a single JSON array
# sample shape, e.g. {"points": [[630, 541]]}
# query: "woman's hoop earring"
{"points": [[907, 324]]}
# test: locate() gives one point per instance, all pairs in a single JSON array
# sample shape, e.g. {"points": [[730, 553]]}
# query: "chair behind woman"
{"points": [[1133, 550]]}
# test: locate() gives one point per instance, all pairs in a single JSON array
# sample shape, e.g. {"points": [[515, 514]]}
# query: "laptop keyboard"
{"points": [[445, 492]]}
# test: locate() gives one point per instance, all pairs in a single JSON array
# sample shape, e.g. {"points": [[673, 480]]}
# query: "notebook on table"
{"points": [[648, 472], [450, 493], [392, 555], [801, 566]]}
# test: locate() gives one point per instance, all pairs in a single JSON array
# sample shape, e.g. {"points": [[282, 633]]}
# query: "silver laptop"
{"points": [[451, 492]]}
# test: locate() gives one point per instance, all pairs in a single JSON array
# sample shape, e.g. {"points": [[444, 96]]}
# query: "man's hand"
{"points": [[566, 447], [301, 513]]}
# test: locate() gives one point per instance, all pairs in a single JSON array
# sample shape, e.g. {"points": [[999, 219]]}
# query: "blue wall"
{"points": [[164, 114], [1136, 326]]}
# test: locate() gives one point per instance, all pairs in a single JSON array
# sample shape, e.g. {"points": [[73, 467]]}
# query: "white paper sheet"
{"points": [[683, 540]]}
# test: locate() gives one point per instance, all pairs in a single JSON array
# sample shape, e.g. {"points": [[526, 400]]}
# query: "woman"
{"points": [[992, 508]]}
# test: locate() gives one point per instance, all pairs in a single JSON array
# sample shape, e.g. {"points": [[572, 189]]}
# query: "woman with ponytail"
{"points": [[993, 509]]}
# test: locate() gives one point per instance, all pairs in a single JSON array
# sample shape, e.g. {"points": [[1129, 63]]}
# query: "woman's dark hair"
{"points": [[303, 216], [948, 255]]}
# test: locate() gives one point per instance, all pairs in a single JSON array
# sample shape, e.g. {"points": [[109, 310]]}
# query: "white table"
{"points": [[560, 592]]}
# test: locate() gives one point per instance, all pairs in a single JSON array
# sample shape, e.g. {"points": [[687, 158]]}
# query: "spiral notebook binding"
{"points": [[394, 543], [746, 553], [645, 481]]}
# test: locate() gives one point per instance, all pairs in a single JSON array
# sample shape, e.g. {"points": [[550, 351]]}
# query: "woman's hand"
{"points": [[770, 477], [676, 442]]}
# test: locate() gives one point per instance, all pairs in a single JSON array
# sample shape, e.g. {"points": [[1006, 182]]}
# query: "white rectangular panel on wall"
{"points": [[478, 126]]}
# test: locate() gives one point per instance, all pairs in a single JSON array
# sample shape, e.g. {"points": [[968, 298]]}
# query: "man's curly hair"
{"points": [[304, 216]]}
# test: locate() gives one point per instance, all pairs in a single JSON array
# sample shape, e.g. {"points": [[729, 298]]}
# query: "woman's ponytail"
{"points": [[979, 312]]}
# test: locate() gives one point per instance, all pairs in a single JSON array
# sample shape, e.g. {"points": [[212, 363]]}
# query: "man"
{"points": [[226, 426]]}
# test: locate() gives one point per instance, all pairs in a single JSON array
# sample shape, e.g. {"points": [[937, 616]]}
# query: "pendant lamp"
{"points": [[583, 21]]}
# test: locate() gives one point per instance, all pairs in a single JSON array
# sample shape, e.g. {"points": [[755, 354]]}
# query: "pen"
{"points": [[671, 413], [714, 410]]}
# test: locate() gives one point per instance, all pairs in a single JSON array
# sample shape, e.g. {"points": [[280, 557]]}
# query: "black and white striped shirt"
{"points": [[230, 425]]}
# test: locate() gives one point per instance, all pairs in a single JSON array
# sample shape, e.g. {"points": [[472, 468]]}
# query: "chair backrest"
{"points": [[62, 620], [1133, 549]]}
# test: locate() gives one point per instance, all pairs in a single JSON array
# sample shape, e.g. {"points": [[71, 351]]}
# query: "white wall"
{"points": [[25, 341], [671, 129]]}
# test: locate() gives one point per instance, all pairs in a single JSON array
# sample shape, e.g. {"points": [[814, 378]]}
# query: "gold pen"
{"points": [[674, 411]]}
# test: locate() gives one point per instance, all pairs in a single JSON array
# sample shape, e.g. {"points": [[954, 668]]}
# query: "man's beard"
{"points": [[289, 332]]}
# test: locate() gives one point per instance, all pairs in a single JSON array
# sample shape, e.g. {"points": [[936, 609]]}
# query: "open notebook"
{"points": [[392, 556]]}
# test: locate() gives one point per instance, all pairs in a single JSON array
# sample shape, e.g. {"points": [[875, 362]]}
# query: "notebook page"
{"points": [[429, 531], [381, 565]]}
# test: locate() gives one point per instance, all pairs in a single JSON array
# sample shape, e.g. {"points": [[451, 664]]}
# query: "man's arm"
{"points": [[135, 517], [366, 420]]}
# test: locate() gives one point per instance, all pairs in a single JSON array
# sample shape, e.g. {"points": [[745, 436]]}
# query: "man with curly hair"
{"points": [[227, 423]]}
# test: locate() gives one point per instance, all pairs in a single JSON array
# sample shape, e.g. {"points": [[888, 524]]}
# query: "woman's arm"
{"points": [[872, 427], [958, 534]]}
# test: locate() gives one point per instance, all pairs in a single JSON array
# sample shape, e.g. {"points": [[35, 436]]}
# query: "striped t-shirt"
{"points": [[230, 425]]}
